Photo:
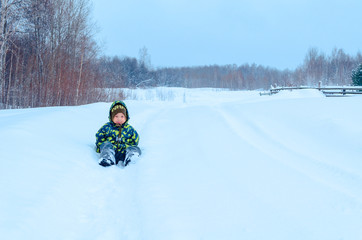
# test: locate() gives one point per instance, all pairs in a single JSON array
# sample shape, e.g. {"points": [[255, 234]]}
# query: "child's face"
{"points": [[119, 119]]}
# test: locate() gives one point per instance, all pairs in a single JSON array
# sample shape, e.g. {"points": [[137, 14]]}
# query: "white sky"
{"points": [[275, 33]]}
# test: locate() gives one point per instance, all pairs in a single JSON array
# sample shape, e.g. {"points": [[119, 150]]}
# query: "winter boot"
{"points": [[132, 155], [107, 157]]}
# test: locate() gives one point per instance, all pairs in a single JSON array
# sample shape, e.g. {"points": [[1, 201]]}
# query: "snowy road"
{"points": [[215, 165]]}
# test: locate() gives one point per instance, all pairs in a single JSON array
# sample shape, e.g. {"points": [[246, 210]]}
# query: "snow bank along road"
{"points": [[215, 165]]}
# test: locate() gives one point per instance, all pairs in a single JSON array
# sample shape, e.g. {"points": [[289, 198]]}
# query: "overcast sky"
{"points": [[274, 33]]}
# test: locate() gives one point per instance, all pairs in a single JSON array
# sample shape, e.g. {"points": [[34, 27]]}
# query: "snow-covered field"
{"points": [[215, 165]]}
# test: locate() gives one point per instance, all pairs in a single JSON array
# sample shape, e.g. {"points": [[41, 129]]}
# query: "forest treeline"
{"points": [[48, 57], [333, 69]]}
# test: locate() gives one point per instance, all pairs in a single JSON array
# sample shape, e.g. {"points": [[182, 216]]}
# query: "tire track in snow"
{"points": [[131, 179], [176, 164], [336, 178]]}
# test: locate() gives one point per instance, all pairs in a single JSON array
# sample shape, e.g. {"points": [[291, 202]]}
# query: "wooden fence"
{"points": [[328, 91]]}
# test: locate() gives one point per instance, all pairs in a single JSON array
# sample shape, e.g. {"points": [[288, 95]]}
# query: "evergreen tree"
{"points": [[357, 76]]}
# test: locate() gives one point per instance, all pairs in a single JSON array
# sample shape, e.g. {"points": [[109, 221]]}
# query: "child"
{"points": [[117, 141]]}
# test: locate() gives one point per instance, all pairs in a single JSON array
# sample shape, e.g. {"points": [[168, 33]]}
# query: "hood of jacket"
{"points": [[118, 103]]}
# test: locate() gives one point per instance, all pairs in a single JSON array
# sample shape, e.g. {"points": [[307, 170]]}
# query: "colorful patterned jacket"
{"points": [[110, 132]]}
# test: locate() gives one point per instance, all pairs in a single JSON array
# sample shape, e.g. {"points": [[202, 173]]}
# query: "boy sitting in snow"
{"points": [[116, 140]]}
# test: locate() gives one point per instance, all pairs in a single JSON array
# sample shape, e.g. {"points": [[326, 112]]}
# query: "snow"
{"points": [[216, 165]]}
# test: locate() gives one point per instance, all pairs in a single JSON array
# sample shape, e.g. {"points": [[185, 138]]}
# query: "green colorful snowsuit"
{"points": [[111, 132]]}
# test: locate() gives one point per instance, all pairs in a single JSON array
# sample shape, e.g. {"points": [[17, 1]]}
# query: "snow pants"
{"points": [[109, 157]]}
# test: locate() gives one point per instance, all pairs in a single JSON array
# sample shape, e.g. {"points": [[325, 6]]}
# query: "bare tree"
{"points": [[11, 12]]}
